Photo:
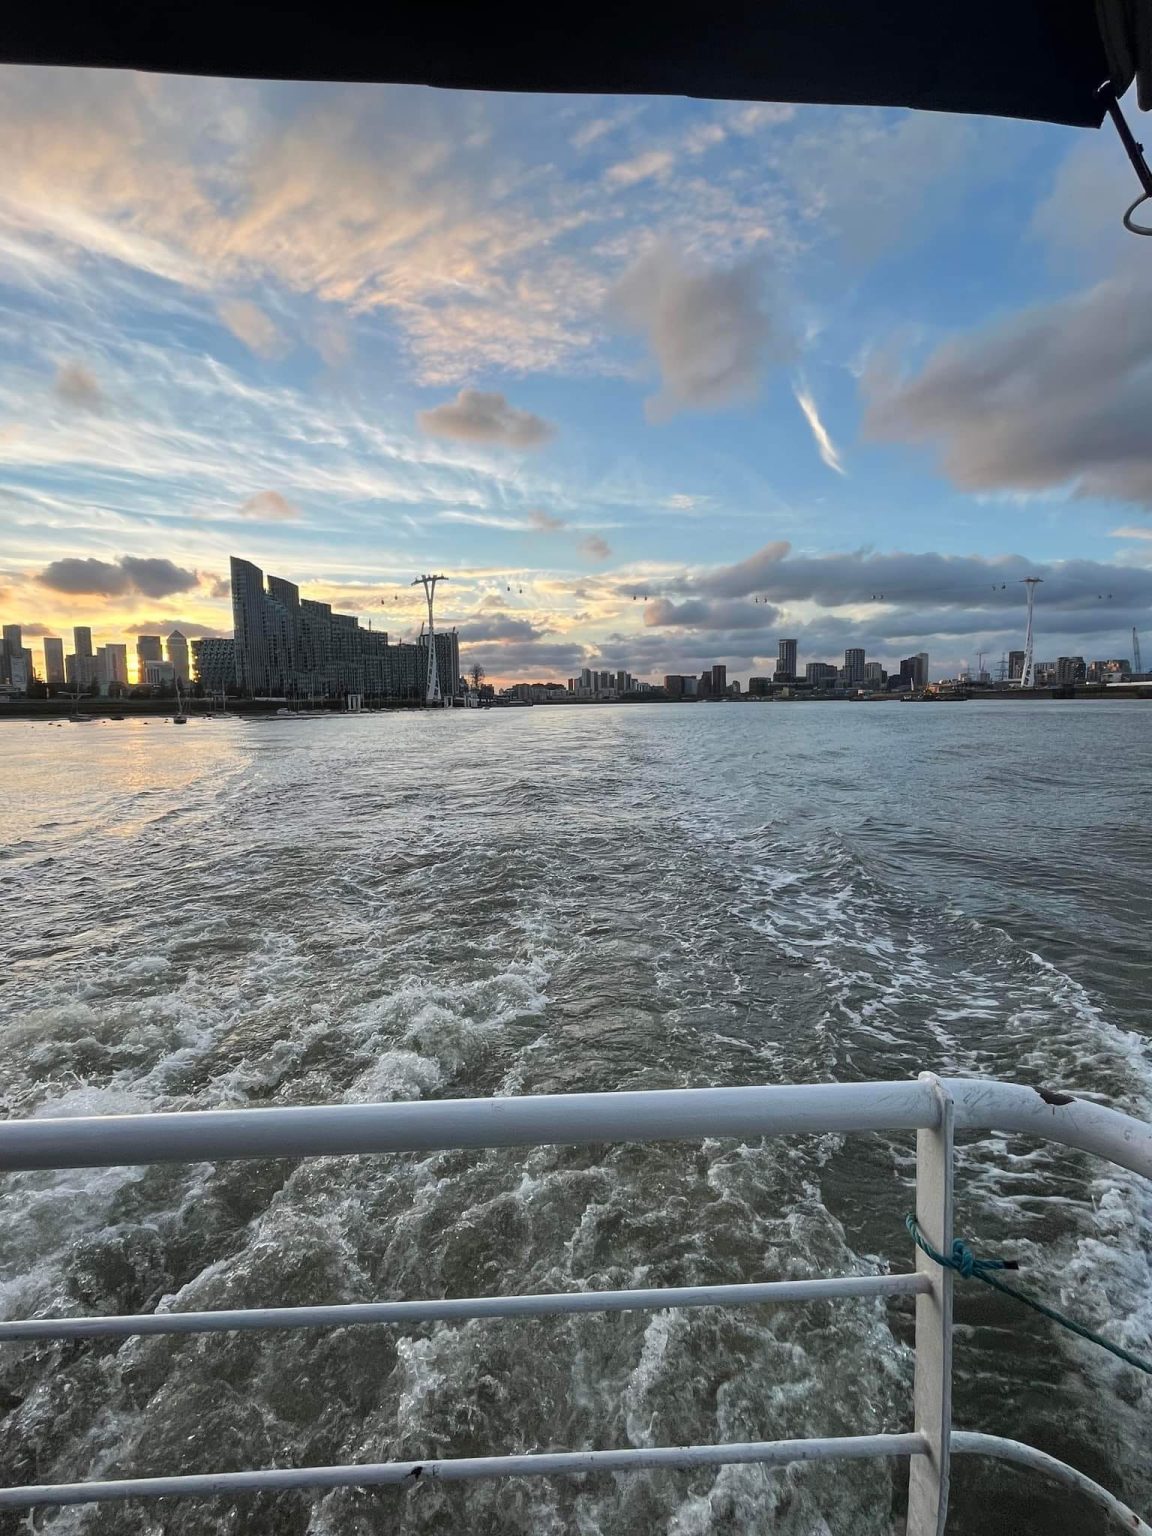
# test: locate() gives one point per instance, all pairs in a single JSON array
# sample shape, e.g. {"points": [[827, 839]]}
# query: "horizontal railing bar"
{"points": [[967, 1443], [353, 1313], [683, 1114], [987, 1105], [438, 1124], [413, 1473]]}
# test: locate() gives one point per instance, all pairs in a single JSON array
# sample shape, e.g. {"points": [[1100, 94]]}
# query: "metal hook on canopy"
{"points": [[1135, 153]]}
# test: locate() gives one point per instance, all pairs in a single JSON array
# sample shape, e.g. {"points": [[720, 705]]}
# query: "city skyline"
{"points": [[333, 655], [657, 380]]}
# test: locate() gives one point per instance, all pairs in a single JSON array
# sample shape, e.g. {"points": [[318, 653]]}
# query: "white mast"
{"points": [[1028, 672], [432, 694]]}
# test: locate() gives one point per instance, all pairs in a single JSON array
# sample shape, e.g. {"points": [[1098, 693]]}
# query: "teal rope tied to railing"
{"points": [[966, 1263]]}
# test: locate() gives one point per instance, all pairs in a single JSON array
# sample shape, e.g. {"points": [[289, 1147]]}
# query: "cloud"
{"points": [[596, 548], [745, 576], [484, 520], [500, 627], [652, 163], [1060, 396], [1130, 533], [130, 576], [249, 323], [218, 586], [892, 604], [596, 128], [35, 630], [269, 507], [191, 629], [824, 444], [542, 661], [77, 386], [698, 613], [545, 522], [480, 416], [708, 329], [754, 115]]}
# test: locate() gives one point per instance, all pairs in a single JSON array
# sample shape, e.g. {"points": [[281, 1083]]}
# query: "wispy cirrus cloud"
{"points": [[824, 445]]}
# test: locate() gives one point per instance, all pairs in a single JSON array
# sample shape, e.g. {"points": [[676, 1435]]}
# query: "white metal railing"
{"points": [[935, 1108]]}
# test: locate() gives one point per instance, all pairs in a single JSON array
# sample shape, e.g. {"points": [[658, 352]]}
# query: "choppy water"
{"points": [[530, 901]]}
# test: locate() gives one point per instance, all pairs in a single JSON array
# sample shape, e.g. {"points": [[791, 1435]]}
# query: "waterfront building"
{"points": [[874, 675], [786, 661], [157, 673], [111, 667], [15, 662], [759, 687], [177, 648], [148, 648], [1069, 669], [287, 646], [1015, 665], [719, 682], [853, 667], [83, 659], [821, 674], [214, 663], [53, 661]]}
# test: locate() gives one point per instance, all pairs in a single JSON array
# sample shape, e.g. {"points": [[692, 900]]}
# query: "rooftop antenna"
{"points": [[1028, 671], [432, 694]]}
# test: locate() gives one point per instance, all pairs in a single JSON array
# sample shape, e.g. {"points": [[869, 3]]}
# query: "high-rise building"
{"points": [[853, 667], [112, 666], [53, 662], [177, 647], [12, 656], [148, 648], [822, 674], [719, 680], [290, 647], [15, 659], [84, 659], [214, 663], [786, 661], [1069, 669], [874, 674], [922, 658], [1015, 665], [156, 673]]}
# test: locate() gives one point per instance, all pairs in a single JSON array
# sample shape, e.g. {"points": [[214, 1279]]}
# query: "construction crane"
{"points": [[1136, 667]]}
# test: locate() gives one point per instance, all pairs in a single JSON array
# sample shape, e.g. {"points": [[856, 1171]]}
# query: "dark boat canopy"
{"points": [[1041, 59]]}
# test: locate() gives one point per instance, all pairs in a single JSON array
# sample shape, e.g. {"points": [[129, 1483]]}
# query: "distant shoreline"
{"points": [[159, 709]]}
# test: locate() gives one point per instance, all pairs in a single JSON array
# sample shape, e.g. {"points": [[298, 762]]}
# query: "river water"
{"points": [[407, 906]]}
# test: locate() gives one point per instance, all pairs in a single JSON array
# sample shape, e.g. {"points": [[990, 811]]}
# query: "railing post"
{"points": [[928, 1475]]}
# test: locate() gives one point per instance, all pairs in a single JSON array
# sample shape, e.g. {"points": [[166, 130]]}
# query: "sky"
{"points": [[654, 381]]}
